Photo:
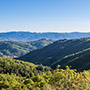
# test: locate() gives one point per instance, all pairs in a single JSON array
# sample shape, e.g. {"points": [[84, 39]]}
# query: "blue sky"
{"points": [[45, 15]]}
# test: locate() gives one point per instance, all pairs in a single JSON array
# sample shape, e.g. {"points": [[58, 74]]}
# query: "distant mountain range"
{"points": [[15, 49], [28, 36], [66, 52]]}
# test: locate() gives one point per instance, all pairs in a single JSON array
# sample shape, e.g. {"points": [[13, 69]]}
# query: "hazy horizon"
{"points": [[43, 32]]}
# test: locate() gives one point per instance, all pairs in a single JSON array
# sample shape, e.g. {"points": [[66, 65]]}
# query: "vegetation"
{"points": [[58, 79], [62, 55], [54, 54], [16, 49], [79, 60], [21, 68]]}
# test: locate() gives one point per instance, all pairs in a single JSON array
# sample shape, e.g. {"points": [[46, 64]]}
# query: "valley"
{"points": [[45, 64]]}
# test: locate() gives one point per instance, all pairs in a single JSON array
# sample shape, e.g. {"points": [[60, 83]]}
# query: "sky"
{"points": [[45, 15]]}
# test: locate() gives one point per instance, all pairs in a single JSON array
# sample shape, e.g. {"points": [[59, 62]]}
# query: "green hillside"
{"points": [[79, 60], [21, 75], [58, 79], [21, 68], [13, 48], [56, 51]]}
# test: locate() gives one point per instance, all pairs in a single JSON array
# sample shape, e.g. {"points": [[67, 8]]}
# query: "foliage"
{"points": [[21, 68], [79, 60], [58, 79]]}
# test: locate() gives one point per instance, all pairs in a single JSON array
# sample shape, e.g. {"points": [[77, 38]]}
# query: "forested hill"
{"points": [[79, 60], [14, 48], [28, 36], [21, 68], [20, 75], [57, 51]]}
